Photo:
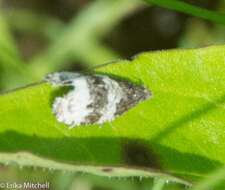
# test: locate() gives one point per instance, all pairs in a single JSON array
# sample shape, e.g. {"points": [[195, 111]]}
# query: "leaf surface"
{"points": [[179, 131]]}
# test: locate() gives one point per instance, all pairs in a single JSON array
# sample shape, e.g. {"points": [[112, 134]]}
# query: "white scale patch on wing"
{"points": [[72, 109]]}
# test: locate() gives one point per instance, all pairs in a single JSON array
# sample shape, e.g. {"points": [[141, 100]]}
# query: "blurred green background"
{"points": [[42, 36]]}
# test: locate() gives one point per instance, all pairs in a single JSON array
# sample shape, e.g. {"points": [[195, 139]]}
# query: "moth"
{"points": [[94, 99]]}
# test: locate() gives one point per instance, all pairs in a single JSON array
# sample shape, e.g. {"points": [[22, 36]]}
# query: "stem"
{"points": [[181, 6]]}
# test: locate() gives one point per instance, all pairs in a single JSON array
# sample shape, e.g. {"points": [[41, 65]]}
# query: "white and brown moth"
{"points": [[94, 99]]}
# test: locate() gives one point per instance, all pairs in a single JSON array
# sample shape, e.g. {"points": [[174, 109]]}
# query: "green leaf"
{"points": [[179, 131], [181, 6]]}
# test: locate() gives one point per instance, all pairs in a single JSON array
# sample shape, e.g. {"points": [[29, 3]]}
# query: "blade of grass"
{"points": [[26, 21], [92, 23], [97, 53], [184, 7], [12, 68], [29, 21]]}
